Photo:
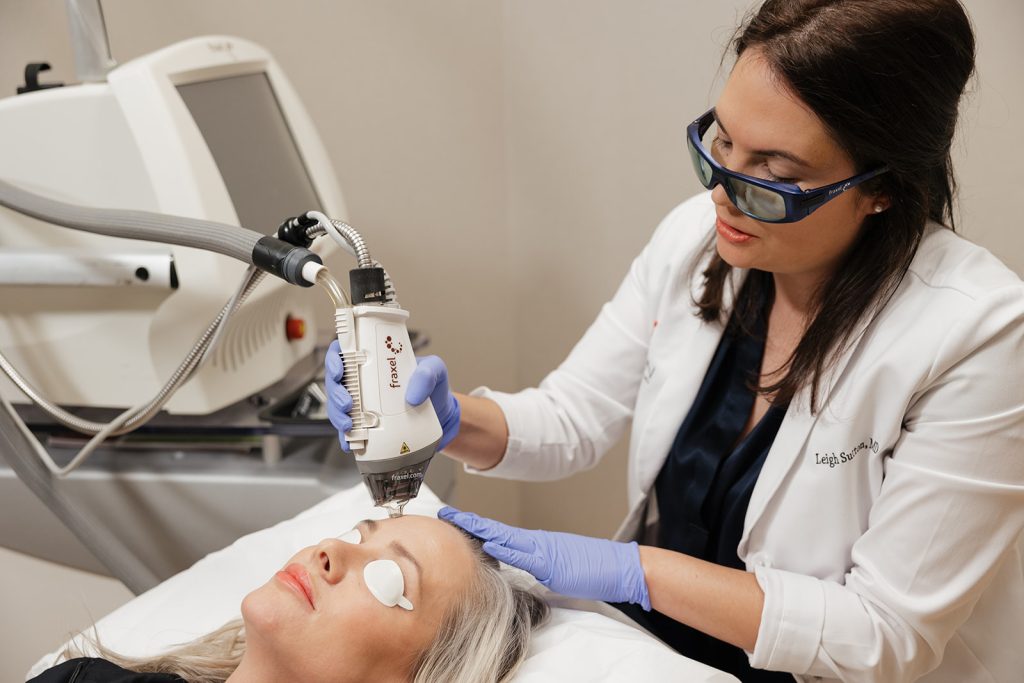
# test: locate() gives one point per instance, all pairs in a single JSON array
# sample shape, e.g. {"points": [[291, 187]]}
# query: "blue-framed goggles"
{"points": [[762, 200]]}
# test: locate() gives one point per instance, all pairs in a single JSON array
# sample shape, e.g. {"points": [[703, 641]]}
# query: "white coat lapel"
{"points": [[671, 404], [693, 346], [792, 436]]}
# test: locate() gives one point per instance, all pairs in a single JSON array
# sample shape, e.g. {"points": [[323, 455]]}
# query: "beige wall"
{"points": [[991, 138], [526, 147], [597, 97]]}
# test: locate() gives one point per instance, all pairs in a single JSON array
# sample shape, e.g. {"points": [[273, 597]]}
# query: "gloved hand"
{"points": [[577, 566], [428, 380]]}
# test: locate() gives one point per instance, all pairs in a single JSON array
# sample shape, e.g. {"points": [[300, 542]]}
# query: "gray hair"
{"points": [[482, 639]]}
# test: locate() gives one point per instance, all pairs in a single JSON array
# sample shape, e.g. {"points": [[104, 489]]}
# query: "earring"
{"points": [[879, 208]]}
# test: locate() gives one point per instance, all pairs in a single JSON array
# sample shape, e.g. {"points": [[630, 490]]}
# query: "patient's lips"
{"points": [[297, 578]]}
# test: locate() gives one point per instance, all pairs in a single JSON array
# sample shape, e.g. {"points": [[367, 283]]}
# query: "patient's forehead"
{"points": [[409, 527], [427, 535], [443, 551]]}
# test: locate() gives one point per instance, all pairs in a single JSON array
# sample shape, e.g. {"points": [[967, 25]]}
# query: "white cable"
{"points": [[332, 230]]}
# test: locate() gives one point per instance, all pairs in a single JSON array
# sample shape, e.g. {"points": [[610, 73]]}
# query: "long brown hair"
{"points": [[886, 79]]}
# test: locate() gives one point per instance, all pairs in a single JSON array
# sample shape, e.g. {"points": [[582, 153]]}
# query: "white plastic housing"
{"points": [[379, 347], [133, 143]]}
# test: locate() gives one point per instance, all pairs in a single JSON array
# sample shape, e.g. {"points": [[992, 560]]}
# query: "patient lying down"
{"points": [[406, 599]]}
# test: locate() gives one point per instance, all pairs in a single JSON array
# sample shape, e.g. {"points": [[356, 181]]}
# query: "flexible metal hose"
{"points": [[315, 231], [356, 240]]}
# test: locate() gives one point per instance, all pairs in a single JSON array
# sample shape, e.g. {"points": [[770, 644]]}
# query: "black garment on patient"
{"points": [[705, 484], [95, 670]]}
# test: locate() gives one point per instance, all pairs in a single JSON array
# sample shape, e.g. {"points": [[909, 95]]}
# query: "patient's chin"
{"points": [[264, 610], [291, 644]]}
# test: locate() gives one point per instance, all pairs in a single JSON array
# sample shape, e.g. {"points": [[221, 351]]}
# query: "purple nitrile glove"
{"points": [[577, 566], [430, 380]]}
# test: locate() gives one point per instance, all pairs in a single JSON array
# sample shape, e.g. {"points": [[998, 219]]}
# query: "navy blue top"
{"points": [[95, 670], [705, 484]]}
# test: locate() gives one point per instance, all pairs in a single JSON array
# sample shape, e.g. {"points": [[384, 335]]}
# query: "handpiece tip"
{"points": [[395, 508]]}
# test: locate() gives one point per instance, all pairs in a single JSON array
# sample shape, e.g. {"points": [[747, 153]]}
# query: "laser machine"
{"points": [[208, 129]]}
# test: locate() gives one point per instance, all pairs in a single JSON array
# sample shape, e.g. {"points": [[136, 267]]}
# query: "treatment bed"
{"points": [[583, 640]]}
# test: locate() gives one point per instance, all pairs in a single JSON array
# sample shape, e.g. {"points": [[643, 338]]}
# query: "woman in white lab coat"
{"points": [[825, 383]]}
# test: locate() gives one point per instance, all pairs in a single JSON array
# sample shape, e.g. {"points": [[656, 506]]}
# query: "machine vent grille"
{"points": [[251, 329]]}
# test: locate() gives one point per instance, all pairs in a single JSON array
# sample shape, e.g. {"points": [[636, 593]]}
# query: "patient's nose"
{"points": [[334, 558]]}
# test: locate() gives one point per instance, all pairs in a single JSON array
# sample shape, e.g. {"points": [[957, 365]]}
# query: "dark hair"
{"points": [[886, 79]]}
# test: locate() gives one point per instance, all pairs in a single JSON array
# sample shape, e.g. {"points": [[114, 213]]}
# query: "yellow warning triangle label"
{"points": [[405, 449]]}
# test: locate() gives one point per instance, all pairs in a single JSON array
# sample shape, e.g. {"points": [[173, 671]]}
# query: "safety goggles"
{"points": [[762, 200]]}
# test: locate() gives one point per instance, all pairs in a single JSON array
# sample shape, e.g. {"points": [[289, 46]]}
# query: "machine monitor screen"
{"points": [[243, 126]]}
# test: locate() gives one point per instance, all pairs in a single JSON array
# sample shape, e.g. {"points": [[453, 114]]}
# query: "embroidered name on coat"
{"points": [[834, 458]]}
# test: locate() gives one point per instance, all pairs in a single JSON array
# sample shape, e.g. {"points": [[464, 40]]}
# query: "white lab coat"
{"points": [[884, 529]]}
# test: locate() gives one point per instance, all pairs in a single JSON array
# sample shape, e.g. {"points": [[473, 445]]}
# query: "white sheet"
{"points": [[575, 645]]}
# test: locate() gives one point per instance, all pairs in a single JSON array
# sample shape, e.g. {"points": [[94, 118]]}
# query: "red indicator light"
{"points": [[294, 328]]}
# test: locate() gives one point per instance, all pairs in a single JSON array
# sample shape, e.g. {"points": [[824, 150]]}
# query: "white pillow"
{"points": [[577, 644]]}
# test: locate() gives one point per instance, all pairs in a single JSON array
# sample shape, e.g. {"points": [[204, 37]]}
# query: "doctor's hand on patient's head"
{"points": [[576, 566], [428, 380]]}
